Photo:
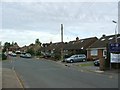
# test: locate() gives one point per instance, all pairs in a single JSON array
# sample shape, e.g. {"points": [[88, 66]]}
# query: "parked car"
{"points": [[22, 55], [13, 54], [47, 55], [17, 52], [97, 62], [25, 55], [76, 58], [28, 55]]}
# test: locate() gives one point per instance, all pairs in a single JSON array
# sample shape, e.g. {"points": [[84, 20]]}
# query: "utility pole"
{"points": [[61, 42]]}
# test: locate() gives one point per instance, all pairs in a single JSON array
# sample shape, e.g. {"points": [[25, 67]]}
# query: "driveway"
{"points": [[89, 66]]}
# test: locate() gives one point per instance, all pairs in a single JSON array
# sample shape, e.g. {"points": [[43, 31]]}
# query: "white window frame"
{"points": [[94, 52], [104, 51]]}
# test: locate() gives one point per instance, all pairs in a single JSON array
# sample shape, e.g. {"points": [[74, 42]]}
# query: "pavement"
{"points": [[10, 79], [0, 75]]}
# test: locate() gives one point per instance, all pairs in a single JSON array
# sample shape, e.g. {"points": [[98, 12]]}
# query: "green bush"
{"points": [[57, 56], [38, 53], [31, 51], [4, 57]]}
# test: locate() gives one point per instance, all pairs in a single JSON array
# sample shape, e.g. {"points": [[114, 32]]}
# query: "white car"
{"points": [[26, 55], [13, 54]]}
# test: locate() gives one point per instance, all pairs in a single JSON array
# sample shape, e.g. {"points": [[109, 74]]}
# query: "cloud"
{"points": [[59, 0], [26, 37], [34, 15], [42, 20]]}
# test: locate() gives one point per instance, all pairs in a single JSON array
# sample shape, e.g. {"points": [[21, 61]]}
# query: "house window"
{"points": [[65, 50], [94, 52], [110, 38], [104, 53], [103, 39]]}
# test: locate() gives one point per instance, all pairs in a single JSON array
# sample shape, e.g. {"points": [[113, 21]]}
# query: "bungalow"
{"points": [[51, 49], [23, 49], [14, 47], [99, 48], [34, 47], [79, 46], [73, 47], [44, 47]]}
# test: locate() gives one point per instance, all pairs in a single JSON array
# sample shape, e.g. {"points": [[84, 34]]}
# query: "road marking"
{"points": [[99, 71], [19, 80], [110, 76]]}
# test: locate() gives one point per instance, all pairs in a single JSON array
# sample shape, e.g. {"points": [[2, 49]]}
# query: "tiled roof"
{"points": [[54, 46], [102, 42], [80, 44]]}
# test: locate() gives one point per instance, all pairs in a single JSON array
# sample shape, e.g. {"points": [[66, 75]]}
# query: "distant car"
{"points": [[97, 62], [17, 52], [76, 58], [26, 55], [13, 54], [47, 55], [22, 55]]}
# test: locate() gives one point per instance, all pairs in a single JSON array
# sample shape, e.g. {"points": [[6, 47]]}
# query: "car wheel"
{"points": [[71, 61], [84, 60]]}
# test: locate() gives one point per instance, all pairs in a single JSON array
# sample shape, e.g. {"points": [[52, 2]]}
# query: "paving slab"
{"points": [[10, 79]]}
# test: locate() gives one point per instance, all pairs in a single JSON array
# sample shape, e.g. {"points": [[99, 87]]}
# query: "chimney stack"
{"points": [[77, 39], [103, 35]]}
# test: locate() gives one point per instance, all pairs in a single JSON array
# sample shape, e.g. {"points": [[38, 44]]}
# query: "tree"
{"points": [[38, 53], [6, 46], [15, 43], [37, 42], [31, 51], [12, 44]]}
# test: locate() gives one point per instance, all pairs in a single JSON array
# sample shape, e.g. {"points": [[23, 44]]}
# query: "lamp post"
{"points": [[115, 30], [116, 36]]}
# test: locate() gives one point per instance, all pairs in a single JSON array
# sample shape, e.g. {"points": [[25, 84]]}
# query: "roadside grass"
{"points": [[85, 64]]}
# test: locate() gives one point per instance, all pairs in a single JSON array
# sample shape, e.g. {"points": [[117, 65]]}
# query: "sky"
{"points": [[23, 22]]}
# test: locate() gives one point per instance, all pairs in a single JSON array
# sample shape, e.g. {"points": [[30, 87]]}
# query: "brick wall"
{"points": [[100, 54]]}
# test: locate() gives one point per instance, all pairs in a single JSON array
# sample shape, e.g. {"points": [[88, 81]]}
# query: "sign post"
{"points": [[114, 49]]}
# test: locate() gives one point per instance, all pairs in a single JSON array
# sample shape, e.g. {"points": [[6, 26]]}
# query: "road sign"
{"points": [[115, 58], [114, 47]]}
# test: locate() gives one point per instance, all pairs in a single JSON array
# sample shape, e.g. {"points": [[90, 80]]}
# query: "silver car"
{"points": [[76, 58]]}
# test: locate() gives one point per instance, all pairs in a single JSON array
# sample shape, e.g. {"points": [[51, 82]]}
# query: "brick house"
{"points": [[32, 46], [99, 48], [51, 48], [79, 46], [14, 47], [44, 47], [73, 47]]}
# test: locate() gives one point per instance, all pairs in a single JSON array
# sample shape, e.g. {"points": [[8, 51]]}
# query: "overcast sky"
{"points": [[23, 22]]}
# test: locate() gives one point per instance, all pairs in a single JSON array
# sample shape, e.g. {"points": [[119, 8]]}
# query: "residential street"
{"points": [[49, 74]]}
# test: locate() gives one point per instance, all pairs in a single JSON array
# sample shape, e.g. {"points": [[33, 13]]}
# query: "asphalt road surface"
{"points": [[49, 74]]}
